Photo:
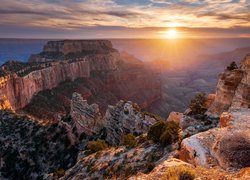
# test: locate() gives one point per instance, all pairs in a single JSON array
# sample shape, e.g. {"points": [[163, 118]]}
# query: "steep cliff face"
{"points": [[233, 89], [20, 89]]}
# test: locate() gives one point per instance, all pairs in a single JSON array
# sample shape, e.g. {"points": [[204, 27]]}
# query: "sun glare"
{"points": [[171, 34]]}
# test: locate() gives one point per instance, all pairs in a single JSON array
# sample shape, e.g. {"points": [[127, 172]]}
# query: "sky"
{"points": [[94, 19]]}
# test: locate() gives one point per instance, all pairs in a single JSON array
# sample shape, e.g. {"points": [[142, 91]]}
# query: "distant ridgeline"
{"points": [[69, 60]]}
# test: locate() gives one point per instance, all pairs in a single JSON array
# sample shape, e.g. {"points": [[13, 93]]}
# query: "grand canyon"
{"points": [[124, 90]]}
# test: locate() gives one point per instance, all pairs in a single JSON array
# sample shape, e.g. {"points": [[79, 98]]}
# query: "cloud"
{"points": [[75, 14]]}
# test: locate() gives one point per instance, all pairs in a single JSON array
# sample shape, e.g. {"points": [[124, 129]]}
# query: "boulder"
{"points": [[175, 117], [228, 147]]}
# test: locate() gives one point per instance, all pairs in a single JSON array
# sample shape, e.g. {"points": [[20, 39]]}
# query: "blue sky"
{"points": [[123, 18]]}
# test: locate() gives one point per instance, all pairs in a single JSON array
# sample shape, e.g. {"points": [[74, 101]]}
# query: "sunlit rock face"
{"points": [[228, 146], [19, 90], [233, 89]]}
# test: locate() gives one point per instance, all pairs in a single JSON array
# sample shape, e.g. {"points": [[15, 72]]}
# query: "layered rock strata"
{"points": [[233, 89], [99, 66]]}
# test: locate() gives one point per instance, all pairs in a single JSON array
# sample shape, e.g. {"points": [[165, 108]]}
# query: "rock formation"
{"points": [[119, 120], [233, 89], [125, 118], [66, 49], [99, 66], [228, 146], [87, 118], [19, 90]]}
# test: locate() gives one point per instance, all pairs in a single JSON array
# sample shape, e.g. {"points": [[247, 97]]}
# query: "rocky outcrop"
{"points": [[228, 146], [233, 89], [119, 120], [125, 118], [116, 163], [66, 49], [87, 118]]}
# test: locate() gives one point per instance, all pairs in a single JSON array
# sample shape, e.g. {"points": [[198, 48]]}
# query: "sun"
{"points": [[171, 34]]}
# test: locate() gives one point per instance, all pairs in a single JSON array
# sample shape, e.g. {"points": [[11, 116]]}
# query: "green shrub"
{"points": [[156, 131], [95, 146], [164, 133], [232, 66], [179, 173], [197, 104], [129, 140]]}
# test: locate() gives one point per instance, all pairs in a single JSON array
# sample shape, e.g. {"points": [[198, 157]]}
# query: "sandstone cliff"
{"points": [[109, 77], [228, 145], [60, 50], [233, 89], [19, 90]]}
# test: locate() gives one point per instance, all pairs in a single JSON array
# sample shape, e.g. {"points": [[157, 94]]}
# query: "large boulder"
{"points": [[228, 146]]}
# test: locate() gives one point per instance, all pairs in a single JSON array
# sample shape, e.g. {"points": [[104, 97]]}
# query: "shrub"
{"points": [[232, 66], [95, 146], [197, 104], [59, 173], [156, 131], [126, 111], [129, 140], [179, 173], [164, 133], [150, 166], [155, 116]]}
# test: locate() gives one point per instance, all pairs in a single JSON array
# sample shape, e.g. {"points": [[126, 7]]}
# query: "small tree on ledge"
{"points": [[232, 66], [197, 104]]}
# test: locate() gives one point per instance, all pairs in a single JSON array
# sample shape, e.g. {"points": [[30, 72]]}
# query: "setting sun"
{"points": [[171, 34]]}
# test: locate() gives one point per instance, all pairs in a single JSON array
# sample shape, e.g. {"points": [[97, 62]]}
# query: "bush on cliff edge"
{"points": [[95, 146], [197, 104], [164, 133]]}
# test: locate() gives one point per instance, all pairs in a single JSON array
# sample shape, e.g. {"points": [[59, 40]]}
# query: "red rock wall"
{"points": [[20, 90]]}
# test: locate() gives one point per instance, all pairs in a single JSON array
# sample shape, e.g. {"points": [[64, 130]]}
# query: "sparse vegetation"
{"points": [[232, 66], [35, 149], [95, 146], [59, 173], [179, 173], [155, 116], [197, 104], [164, 133], [129, 140]]}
